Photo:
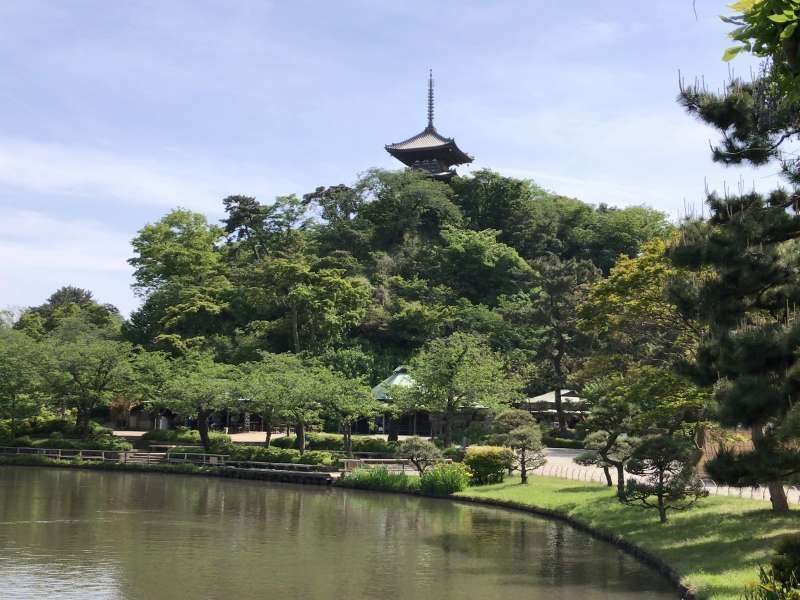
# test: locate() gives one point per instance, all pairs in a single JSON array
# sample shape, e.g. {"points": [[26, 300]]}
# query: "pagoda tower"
{"points": [[428, 150]]}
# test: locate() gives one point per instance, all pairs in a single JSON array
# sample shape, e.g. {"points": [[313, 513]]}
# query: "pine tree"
{"points": [[751, 350]]}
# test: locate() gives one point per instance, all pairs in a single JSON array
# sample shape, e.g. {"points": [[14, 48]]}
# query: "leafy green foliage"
{"points": [[664, 465], [422, 453], [379, 479], [456, 373], [488, 464], [518, 430], [444, 479]]}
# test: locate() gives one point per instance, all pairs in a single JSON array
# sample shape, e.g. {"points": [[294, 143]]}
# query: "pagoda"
{"points": [[428, 150]]}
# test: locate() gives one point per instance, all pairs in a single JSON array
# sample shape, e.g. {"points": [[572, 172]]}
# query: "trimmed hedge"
{"points": [[556, 442], [488, 463], [58, 441], [183, 435], [335, 442], [262, 454]]}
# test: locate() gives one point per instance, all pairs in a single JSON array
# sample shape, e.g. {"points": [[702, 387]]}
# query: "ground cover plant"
{"points": [[379, 479]]}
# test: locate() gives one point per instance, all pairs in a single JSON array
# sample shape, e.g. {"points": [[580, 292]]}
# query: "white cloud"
{"points": [[165, 179], [40, 253]]}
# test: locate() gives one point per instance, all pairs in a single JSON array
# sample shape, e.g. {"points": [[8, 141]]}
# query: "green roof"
{"points": [[399, 377]]}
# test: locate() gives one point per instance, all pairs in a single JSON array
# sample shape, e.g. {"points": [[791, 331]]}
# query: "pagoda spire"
{"points": [[429, 151], [430, 99]]}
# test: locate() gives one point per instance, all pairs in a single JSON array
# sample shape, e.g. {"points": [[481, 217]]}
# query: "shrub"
{"points": [[771, 587], [454, 453], [445, 479], [666, 480], [108, 442], [786, 562], [286, 441], [379, 479], [317, 457], [488, 463], [558, 442], [335, 442], [182, 435], [422, 453]]}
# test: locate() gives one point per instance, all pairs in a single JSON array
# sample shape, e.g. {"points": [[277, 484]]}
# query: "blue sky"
{"points": [[111, 113]]}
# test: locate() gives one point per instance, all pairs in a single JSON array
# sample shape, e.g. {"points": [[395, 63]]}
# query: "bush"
{"points": [[445, 479], [379, 479], [335, 442], [421, 452], [488, 463], [454, 453], [262, 454], [317, 457], [786, 562], [770, 587], [108, 442], [182, 435], [558, 442]]}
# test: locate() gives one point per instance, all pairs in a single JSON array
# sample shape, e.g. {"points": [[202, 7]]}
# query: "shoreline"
{"points": [[647, 558]]}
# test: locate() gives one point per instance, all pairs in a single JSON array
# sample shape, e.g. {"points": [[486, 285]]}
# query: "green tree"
{"points": [[200, 388], [750, 351], [84, 370], [545, 321], [456, 373], [318, 307], [179, 269], [518, 430], [478, 267], [67, 302], [631, 315], [666, 480], [421, 452], [345, 400], [21, 385]]}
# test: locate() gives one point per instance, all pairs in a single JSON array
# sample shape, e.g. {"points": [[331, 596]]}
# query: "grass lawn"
{"points": [[715, 546]]}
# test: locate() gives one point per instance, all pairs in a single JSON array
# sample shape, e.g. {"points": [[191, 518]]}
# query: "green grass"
{"points": [[715, 547]]}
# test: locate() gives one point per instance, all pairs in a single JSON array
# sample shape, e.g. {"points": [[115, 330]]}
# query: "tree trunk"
{"points": [[523, 468], [202, 427], [295, 331], [348, 439], [607, 473], [391, 428], [82, 422], [447, 431], [662, 511], [562, 420], [13, 415], [620, 482], [777, 495], [300, 432], [266, 424]]}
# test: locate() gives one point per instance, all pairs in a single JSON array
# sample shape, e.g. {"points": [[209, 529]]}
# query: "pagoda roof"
{"points": [[430, 140], [429, 150]]}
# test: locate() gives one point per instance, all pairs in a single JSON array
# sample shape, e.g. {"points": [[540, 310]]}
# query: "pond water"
{"points": [[81, 534]]}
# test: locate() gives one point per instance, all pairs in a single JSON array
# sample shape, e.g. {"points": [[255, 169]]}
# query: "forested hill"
{"points": [[362, 276]]}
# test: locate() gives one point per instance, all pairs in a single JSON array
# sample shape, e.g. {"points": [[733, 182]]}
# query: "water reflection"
{"points": [[82, 534]]}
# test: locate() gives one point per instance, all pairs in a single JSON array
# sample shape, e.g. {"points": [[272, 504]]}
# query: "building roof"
{"points": [[399, 377], [429, 150]]}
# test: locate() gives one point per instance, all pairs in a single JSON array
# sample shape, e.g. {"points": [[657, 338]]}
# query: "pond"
{"points": [[84, 534]]}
